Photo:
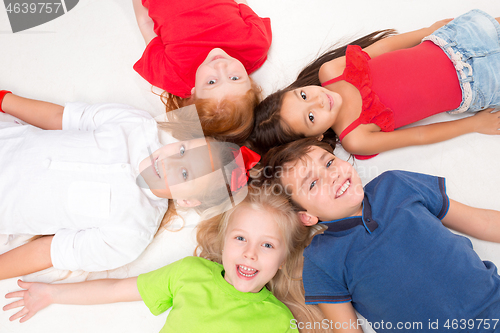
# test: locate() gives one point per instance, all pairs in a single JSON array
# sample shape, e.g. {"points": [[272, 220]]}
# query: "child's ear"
{"points": [[192, 91], [307, 219], [320, 138], [188, 203]]}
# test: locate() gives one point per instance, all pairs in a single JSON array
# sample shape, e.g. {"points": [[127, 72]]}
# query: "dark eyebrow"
{"points": [[307, 123]]}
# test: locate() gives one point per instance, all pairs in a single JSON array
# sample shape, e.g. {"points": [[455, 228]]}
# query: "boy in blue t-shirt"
{"points": [[386, 251]]}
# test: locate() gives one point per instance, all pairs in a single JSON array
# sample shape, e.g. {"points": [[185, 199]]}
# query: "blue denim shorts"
{"points": [[472, 42]]}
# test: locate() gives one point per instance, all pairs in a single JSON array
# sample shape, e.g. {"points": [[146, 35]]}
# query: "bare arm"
{"points": [[342, 315], [37, 296], [476, 222], [38, 113], [145, 23], [336, 66], [363, 142], [402, 41], [26, 259]]}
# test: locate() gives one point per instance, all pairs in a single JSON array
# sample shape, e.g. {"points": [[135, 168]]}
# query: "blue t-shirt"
{"points": [[399, 264]]}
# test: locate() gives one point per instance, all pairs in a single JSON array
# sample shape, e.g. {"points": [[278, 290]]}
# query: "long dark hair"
{"points": [[269, 131]]}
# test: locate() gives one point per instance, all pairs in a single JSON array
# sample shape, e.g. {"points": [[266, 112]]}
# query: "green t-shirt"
{"points": [[202, 301]]}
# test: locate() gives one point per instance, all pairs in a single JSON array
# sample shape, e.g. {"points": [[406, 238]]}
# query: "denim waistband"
{"points": [[460, 66]]}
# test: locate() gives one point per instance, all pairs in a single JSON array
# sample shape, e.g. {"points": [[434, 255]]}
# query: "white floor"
{"points": [[87, 55]]}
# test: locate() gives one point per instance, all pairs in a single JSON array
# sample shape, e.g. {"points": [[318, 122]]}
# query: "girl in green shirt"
{"points": [[245, 255]]}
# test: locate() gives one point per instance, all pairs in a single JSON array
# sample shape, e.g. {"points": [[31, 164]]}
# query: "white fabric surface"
{"points": [[87, 55]]}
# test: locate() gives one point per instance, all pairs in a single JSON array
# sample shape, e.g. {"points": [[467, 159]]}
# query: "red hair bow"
{"points": [[239, 176]]}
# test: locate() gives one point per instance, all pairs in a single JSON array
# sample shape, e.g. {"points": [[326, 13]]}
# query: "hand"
{"points": [[34, 298], [241, 1], [439, 24], [487, 122]]}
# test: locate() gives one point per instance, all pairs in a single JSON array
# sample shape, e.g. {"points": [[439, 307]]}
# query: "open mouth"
{"points": [[343, 188], [246, 271]]}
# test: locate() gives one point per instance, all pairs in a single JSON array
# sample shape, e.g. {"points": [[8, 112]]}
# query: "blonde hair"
{"points": [[229, 119], [286, 285]]}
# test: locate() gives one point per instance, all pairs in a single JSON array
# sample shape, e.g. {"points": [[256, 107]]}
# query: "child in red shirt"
{"points": [[202, 52]]}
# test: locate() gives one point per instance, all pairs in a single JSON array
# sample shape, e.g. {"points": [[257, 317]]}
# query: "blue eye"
{"points": [[182, 150], [234, 78], [313, 184], [212, 82], [267, 245], [240, 238], [329, 163], [303, 95], [311, 117], [184, 174]]}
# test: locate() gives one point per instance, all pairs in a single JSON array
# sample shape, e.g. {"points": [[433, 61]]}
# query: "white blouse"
{"points": [[80, 184]]}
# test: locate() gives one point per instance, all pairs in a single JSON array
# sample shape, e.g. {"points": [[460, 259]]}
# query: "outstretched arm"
{"points": [[335, 67], [37, 296], [342, 315], [476, 222], [41, 114], [363, 142], [26, 259], [145, 23], [403, 41]]}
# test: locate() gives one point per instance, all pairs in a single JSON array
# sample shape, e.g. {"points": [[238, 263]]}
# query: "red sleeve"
{"points": [[152, 62], [251, 18], [156, 68]]}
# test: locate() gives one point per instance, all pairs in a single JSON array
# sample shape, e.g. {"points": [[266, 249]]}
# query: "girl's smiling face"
{"points": [[311, 110], [254, 249], [178, 170], [220, 75]]}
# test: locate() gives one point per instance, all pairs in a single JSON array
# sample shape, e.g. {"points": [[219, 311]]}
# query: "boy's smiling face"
{"points": [[327, 187]]}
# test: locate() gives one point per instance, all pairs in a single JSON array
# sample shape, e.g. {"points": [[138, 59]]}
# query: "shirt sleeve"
{"points": [[157, 288], [430, 191], [85, 117], [263, 24], [320, 287], [155, 67], [97, 249]]}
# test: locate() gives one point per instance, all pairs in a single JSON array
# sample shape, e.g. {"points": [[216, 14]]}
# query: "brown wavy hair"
{"points": [[229, 119], [286, 285], [269, 130]]}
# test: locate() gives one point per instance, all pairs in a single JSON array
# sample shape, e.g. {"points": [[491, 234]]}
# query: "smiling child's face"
{"points": [[178, 170], [220, 75], [327, 187], [254, 249], [311, 110]]}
